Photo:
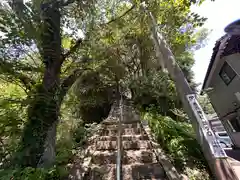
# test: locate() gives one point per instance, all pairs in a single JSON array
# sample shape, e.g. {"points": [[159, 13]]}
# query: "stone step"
{"points": [[104, 172], [152, 171], [124, 138], [92, 140], [129, 125], [114, 121], [128, 157], [126, 131], [126, 145]]}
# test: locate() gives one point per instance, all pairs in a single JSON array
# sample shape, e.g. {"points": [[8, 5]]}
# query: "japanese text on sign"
{"points": [[214, 144]]}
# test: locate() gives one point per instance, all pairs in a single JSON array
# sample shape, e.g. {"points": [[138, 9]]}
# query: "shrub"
{"points": [[177, 139], [196, 174]]}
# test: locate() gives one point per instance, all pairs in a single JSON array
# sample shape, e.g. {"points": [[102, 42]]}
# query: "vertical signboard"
{"points": [[205, 128]]}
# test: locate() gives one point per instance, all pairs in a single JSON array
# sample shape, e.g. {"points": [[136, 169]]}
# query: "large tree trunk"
{"points": [[44, 110], [42, 116], [49, 154]]}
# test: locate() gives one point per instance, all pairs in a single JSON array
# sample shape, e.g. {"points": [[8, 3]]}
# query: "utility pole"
{"points": [[215, 155]]}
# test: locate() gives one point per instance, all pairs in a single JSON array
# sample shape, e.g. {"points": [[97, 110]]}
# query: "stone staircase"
{"points": [[138, 159], [142, 159]]}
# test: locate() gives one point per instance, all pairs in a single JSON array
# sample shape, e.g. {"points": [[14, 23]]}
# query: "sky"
{"points": [[219, 13]]}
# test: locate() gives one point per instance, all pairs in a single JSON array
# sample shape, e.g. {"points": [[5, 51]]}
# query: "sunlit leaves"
{"points": [[66, 43], [12, 112]]}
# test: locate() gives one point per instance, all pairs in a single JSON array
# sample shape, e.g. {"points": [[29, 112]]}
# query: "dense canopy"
{"points": [[61, 63]]}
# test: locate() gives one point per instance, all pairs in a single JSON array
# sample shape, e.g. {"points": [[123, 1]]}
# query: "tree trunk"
{"points": [[49, 154], [44, 110], [42, 116]]}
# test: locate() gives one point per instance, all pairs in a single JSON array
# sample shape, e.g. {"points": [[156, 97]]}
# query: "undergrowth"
{"points": [[66, 149], [178, 140]]}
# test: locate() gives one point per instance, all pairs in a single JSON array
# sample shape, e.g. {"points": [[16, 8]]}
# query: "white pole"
{"points": [[213, 152]]}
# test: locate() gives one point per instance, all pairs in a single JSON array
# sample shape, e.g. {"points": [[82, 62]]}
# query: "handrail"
{"points": [[119, 140]]}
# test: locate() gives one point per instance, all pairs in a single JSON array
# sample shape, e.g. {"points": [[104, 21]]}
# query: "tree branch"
{"points": [[119, 17], [15, 81], [8, 69], [25, 16], [80, 40], [68, 82]]}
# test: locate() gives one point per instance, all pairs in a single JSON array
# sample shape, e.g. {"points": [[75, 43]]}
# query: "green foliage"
{"points": [[197, 174], [206, 104], [112, 50], [154, 89], [66, 146], [66, 149], [12, 112], [94, 95], [29, 173], [177, 139]]}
